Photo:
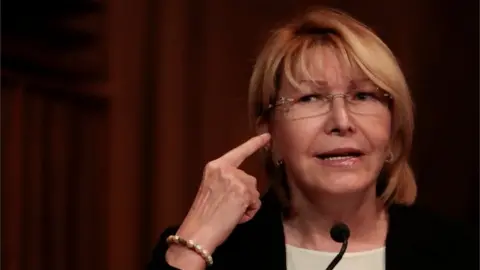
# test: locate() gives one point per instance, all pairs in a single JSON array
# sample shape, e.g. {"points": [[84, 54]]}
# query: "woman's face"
{"points": [[342, 149]]}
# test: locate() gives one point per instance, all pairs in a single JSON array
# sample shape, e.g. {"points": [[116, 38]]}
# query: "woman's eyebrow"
{"points": [[315, 82], [360, 80]]}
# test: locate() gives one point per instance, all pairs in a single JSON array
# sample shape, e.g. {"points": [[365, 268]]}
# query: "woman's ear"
{"points": [[261, 126]]}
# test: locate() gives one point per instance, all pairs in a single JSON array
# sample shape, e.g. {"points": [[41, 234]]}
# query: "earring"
{"points": [[390, 157], [279, 163]]}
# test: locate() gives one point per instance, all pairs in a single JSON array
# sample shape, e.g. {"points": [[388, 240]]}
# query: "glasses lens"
{"points": [[300, 110], [305, 110], [368, 102]]}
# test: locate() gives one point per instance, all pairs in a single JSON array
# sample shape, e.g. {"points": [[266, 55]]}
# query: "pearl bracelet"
{"points": [[175, 239]]}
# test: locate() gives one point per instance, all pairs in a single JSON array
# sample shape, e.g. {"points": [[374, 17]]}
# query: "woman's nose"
{"points": [[339, 118]]}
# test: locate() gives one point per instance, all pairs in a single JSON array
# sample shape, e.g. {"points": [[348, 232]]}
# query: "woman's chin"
{"points": [[343, 186]]}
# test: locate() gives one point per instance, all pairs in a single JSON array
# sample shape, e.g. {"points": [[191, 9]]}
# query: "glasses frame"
{"points": [[285, 101]]}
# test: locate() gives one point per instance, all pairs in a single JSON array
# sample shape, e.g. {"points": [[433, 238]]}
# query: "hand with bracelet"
{"points": [[227, 196]]}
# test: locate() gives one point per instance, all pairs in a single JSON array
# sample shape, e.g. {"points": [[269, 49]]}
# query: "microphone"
{"points": [[340, 234]]}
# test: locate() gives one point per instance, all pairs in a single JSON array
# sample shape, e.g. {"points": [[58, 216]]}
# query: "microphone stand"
{"points": [[340, 234], [339, 256]]}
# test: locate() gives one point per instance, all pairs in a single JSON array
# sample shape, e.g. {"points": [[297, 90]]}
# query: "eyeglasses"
{"points": [[364, 102]]}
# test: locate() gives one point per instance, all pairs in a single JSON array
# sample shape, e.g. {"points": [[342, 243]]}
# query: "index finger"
{"points": [[236, 156]]}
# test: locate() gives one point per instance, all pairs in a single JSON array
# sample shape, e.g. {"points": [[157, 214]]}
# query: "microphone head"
{"points": [[340, 232]]}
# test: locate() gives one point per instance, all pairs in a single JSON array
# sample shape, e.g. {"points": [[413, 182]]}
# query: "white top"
{"points": [[306, 259]]}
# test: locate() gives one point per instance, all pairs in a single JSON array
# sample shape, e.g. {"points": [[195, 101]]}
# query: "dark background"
{"points": [[111, 108]]}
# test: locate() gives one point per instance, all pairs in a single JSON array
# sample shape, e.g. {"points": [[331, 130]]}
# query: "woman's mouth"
{"points": [[340, 157]]}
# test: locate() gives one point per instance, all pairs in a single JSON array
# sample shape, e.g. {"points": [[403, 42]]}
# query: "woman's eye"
{"points": [[310, 98], [364, 95]]}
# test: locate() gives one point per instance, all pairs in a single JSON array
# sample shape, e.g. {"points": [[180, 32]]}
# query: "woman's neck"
{"points": [[310, 221]]}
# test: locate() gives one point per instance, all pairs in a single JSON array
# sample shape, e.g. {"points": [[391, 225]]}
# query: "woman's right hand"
{"points": [[227, 196]]}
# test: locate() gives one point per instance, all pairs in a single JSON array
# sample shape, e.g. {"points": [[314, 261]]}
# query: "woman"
{"points": [[334, 117]]}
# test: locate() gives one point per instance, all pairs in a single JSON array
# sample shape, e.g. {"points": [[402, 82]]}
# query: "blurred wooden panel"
{"points": [[127, 24], [54, 155], [34, 189], [12, 184], [61, 145]]}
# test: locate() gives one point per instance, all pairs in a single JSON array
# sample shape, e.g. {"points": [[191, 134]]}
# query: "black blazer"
{"points": [[415, 240]]}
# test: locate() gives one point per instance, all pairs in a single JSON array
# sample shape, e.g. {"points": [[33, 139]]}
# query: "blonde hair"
{"points": [[361, 46]]}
